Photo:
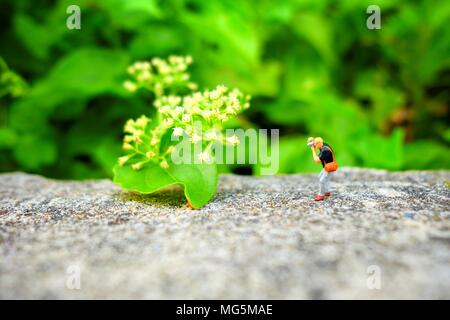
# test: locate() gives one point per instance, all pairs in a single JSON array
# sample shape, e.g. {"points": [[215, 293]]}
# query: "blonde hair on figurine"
{"points": [[318, 142]]}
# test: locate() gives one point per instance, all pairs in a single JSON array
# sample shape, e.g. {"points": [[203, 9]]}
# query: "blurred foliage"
{"points": [[379, 97]]}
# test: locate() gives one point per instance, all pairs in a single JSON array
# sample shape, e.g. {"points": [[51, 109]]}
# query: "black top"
{"points": [[325, 155]]}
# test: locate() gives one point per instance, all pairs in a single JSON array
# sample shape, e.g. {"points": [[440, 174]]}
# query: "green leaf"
{"points": [[377, 151], [446, 135], [321, 38], [35, 37], [106, 154], [385, 98], [89, 72], [164, 40], [199, 181], [306, 77], [131, 14], [11, 82], [262, 79], [228, 25], [33, 152], [8, 138], [427, 154], [147, 180]]}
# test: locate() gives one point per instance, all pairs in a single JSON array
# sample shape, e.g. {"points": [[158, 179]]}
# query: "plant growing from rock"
{"points": [[185, 118]]}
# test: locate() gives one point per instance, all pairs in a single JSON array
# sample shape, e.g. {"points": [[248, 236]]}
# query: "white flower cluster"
{"points": [[217, 105], [142, 141], [159, 75], [179, 114], [212, 108]]}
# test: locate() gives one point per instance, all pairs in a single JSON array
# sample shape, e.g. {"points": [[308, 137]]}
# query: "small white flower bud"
{"points": [[164, 109], [192, 86], [163, 164], [159, 90], [168, 79], [131, 70], [234, 140], [186, 118], [123, 160], [146, 65], [144, 75], [142, 121], [181, 67], [204, 156], [170, 149], [196, 138], [177, 111], [188, 59], [164, 68], [154, 141], [168, 122], [137, 166], [126, 146], [222, 117], [129, 86], [211, 135], [129, 126], [177, 131], [137, 139]]}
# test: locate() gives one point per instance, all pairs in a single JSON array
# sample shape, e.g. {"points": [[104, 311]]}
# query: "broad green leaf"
{"points": [[147, 180], [199, 181]]}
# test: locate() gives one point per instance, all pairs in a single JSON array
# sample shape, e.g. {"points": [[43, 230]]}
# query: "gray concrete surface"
{"points": [[380, 236]]}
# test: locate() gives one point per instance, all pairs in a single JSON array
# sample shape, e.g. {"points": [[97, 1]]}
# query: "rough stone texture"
{"points": [[259, 238]]}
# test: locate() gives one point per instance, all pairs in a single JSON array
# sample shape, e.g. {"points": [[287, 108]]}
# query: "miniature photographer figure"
{"points": [[329, 164]]}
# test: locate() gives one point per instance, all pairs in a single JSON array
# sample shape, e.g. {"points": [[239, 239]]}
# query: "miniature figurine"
{"points": [[329, 164]]}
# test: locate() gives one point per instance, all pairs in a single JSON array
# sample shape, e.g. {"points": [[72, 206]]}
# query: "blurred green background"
{"points": [[379, 97]]}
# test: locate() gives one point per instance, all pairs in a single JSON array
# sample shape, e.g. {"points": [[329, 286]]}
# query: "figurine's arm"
{"points": [[314, 154]]}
